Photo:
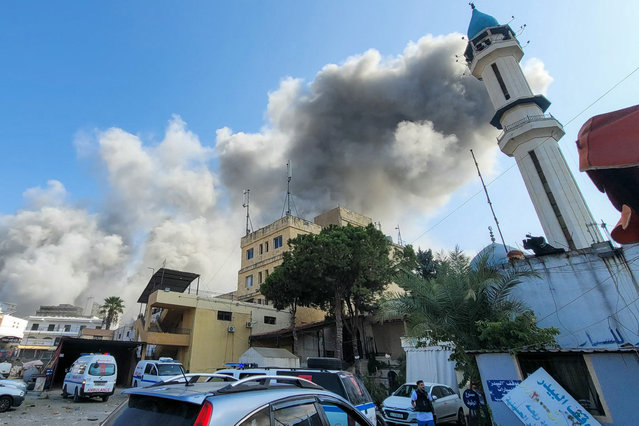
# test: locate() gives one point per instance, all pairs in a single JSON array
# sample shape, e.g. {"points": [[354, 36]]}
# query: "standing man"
{"points": [[423, 404]]}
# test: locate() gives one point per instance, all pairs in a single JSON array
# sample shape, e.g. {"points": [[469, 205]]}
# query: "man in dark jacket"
{"points": [[423, 404]]}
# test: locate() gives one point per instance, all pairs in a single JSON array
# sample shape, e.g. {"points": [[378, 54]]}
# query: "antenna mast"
{"points": [[245, 204], [289, 173], [489, 202], [399, 236]]}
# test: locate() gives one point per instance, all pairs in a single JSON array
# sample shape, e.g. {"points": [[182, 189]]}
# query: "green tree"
{"points": [[468, 308], [112, 307], [343, 269], [426, 264], [293, 283]]}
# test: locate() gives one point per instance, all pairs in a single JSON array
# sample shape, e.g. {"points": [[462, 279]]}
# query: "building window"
{"points": [[51, 327], [277, 242], [261, 248], [266, 247], [500, 80], [224, 316], [249, 253], [67, 328], [34, 326], [269, 320], [259, 277], [267, 273], [249, 281], [571, 372]]}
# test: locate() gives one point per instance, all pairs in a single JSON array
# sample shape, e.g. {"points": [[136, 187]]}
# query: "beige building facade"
{"points": [[201, 332]]}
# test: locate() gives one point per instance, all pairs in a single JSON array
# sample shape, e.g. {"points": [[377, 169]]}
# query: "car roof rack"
{"points": [[193, 377], [265, 382]]}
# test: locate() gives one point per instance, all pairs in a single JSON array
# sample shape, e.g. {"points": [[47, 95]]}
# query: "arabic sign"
{"points": [[499, 388], [471, 399], [540, 400]]}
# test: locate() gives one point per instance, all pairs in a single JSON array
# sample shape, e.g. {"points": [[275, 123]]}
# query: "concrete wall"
{"points": [[591, 295], [616, 379], [212, 345]]}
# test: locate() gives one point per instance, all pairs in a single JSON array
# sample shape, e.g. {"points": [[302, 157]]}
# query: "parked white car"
{"points": [[91, 375], [397, 408], [10, 395], [20, 384], [151, 371]]}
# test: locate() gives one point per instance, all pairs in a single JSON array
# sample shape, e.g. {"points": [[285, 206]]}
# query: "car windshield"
{"points": [[169, 369], [102, 369], [145, 410], [407, 390]]}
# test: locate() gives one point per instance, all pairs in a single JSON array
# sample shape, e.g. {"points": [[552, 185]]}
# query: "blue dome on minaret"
{"points": [[479, 22]]}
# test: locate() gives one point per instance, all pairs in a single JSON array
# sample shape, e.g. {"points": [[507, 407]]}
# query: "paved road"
{"points": [[54, 410]]}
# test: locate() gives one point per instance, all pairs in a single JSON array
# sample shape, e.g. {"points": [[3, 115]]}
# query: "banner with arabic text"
{"points": [[540, 400]]}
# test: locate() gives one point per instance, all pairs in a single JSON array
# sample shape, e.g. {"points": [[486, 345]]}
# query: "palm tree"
{"points": [[111, 309], [463, 305]]}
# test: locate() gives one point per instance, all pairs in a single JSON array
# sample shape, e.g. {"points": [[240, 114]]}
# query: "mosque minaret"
{"points": [[493, 54]]}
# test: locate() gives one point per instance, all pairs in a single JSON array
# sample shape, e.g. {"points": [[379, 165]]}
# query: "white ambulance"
{"points": [[151, 371], [91, 375]]}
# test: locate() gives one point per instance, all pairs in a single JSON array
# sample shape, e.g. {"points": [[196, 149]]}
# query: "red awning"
{"points": [[608, 148]]}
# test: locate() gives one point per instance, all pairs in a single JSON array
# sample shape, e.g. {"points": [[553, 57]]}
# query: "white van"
{"points": [[91, 375], [152, 371]]}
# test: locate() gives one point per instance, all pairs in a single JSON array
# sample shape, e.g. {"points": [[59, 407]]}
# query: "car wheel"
{"points": [[65, 394], [461, 418], [76, 397], [5, 403], [105, 398]]}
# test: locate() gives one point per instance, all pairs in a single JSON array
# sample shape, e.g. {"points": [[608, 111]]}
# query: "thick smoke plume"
{"points": [[379, 136], [387, 137]]}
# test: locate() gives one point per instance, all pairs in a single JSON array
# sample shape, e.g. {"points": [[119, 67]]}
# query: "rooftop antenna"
{"points": [[399, 236], [245, 204], [492, 234], [489, 202], [289, 174]]}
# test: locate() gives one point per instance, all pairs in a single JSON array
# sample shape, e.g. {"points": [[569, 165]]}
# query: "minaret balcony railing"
{"points": [[519, 123]]}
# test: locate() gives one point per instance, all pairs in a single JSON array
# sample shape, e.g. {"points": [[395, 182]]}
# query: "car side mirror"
{"points": [[434, 397]]}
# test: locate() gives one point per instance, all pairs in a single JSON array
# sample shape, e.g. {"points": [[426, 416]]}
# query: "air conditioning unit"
{"points": [[231, 329], [249, 324]]}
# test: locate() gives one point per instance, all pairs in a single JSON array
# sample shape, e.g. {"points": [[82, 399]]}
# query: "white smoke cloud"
{"points": [[538, 77], [54, 254]]}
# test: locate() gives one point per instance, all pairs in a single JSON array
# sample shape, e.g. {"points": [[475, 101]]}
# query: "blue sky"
{"points": [[76, 69]]}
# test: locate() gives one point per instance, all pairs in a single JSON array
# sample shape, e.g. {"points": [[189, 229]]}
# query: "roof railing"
{"points": [[266, 381], [528, 119]]}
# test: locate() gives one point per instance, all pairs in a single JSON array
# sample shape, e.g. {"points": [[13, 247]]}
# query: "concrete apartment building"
{"points": [[262, 252], [200, 331], [43, 333]]}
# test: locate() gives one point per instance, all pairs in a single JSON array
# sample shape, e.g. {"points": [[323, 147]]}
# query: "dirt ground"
{"points": [[49, 408]]}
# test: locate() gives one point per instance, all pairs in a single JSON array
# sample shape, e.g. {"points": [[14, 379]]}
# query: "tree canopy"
{"points": [[468, 308], [112, 307], [343, 268]]}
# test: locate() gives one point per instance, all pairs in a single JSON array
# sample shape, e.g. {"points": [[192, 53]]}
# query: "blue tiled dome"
{"points": [[479, 22], [495, 254]]}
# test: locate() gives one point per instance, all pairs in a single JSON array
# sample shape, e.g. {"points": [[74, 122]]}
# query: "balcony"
{"points": [[171, 337], [520, 123], [56, 333]]}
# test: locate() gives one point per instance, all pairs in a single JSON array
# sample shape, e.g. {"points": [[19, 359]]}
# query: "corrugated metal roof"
{"points": [[557, 350]]}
